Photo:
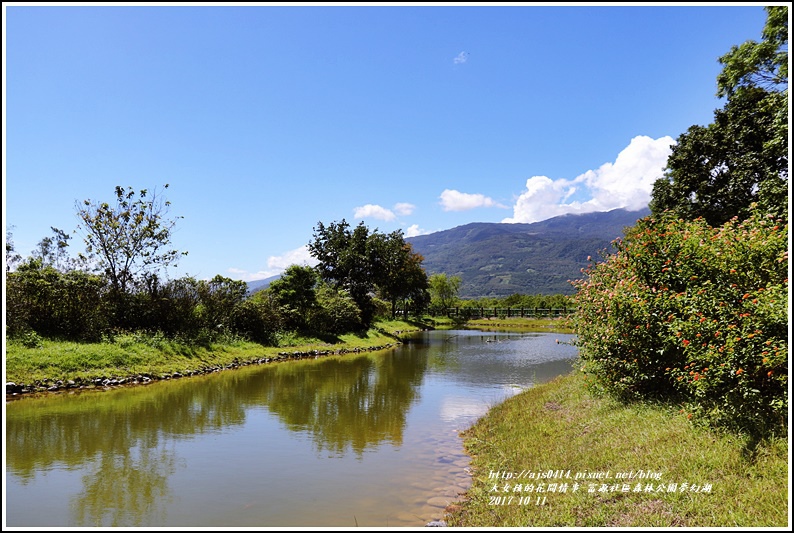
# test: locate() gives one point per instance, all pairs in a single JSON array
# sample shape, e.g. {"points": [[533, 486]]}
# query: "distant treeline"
{"points": [[118, 285]]}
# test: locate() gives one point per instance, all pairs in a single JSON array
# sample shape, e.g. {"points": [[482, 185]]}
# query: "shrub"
{"points": [[336, 313], [686, 312], [257, 320]]}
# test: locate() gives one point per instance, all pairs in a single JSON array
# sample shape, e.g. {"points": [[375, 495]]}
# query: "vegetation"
{"points": [[695, 315], [443, 290], [693, 306], [707, 478], [117, 289], [719, 171], [128, 239], [40, 362], [526, 301], [363, 263]]}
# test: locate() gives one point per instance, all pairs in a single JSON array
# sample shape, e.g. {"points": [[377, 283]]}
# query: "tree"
{"points": [[397, 268], [344, 262], [754, 64], [12, 257], [218, 299], [294, 293], [131, 237], [362, 262], [721, 170], [444, 289], [52, 250]]}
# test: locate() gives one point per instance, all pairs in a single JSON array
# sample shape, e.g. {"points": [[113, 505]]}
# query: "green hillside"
{"points": [[495, 259]]}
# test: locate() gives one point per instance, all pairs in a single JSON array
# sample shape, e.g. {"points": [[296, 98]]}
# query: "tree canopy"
{"points": [[131, 237], [754, 64], [363, 263], [722, 170]]}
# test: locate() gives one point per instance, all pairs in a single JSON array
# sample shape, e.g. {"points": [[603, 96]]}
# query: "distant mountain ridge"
{"points": [[260, 284], [497, 259]]}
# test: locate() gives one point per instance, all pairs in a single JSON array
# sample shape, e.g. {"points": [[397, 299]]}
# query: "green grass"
{"points": [[514, 324], [561, 426], [133, 354], [556, 325]]}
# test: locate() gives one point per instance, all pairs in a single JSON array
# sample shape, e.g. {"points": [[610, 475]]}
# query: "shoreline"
{"points": [[17, 391]]}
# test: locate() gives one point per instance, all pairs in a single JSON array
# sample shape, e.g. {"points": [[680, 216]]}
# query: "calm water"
{"points": [[369, 440]]}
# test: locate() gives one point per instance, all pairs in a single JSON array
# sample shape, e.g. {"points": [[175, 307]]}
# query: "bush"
{"points": [[257, 320], [699, 315], [336, 312], [31, 340], [54, 304]]}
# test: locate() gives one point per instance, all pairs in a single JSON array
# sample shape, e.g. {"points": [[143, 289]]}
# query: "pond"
{"points": [[340, 441]]}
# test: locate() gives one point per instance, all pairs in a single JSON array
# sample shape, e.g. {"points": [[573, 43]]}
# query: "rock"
{"points": [[436, 523], [438, 501]]}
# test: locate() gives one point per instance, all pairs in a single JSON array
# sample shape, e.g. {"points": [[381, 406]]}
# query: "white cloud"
{"points": [[626, 183], [414, 230], [244, 275], [404, 209], [382, 213], [298, 256], [461, 58], [374, 211], [276, 264], [452, 200]]}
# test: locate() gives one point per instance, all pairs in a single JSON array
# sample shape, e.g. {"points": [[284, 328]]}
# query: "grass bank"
{"points": [[126, 357], [705, 479], [513, 324]]}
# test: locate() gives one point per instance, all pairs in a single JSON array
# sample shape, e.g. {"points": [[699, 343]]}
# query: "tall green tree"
{"points": [[719, 171], [129, 237], [444, 289], [363, 262], [397, 268], [345, 263], [759, 64], [294, 292]]}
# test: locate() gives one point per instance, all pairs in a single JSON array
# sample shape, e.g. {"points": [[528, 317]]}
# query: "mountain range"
{"points": [[495, 259]]}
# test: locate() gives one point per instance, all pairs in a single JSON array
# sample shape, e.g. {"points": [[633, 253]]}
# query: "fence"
{"points": [[506, 312]]}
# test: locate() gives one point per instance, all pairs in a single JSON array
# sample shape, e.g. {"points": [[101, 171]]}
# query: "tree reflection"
{"points": [[121, 438], [125, 489], [351, 401]]}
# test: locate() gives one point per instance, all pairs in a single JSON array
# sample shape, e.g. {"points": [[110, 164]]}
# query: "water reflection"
{"points": [[355, 402], [156, 455], [128, 489], [118, 438]]}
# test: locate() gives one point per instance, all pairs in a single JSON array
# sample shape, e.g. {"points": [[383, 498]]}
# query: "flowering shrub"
{"points": [[699, 315]]}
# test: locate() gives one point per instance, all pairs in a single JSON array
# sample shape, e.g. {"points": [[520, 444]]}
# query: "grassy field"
{"points": [[705, 479]]}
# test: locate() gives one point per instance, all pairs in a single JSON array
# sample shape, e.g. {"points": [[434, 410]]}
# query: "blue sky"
{"points": [[267, 119]]}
